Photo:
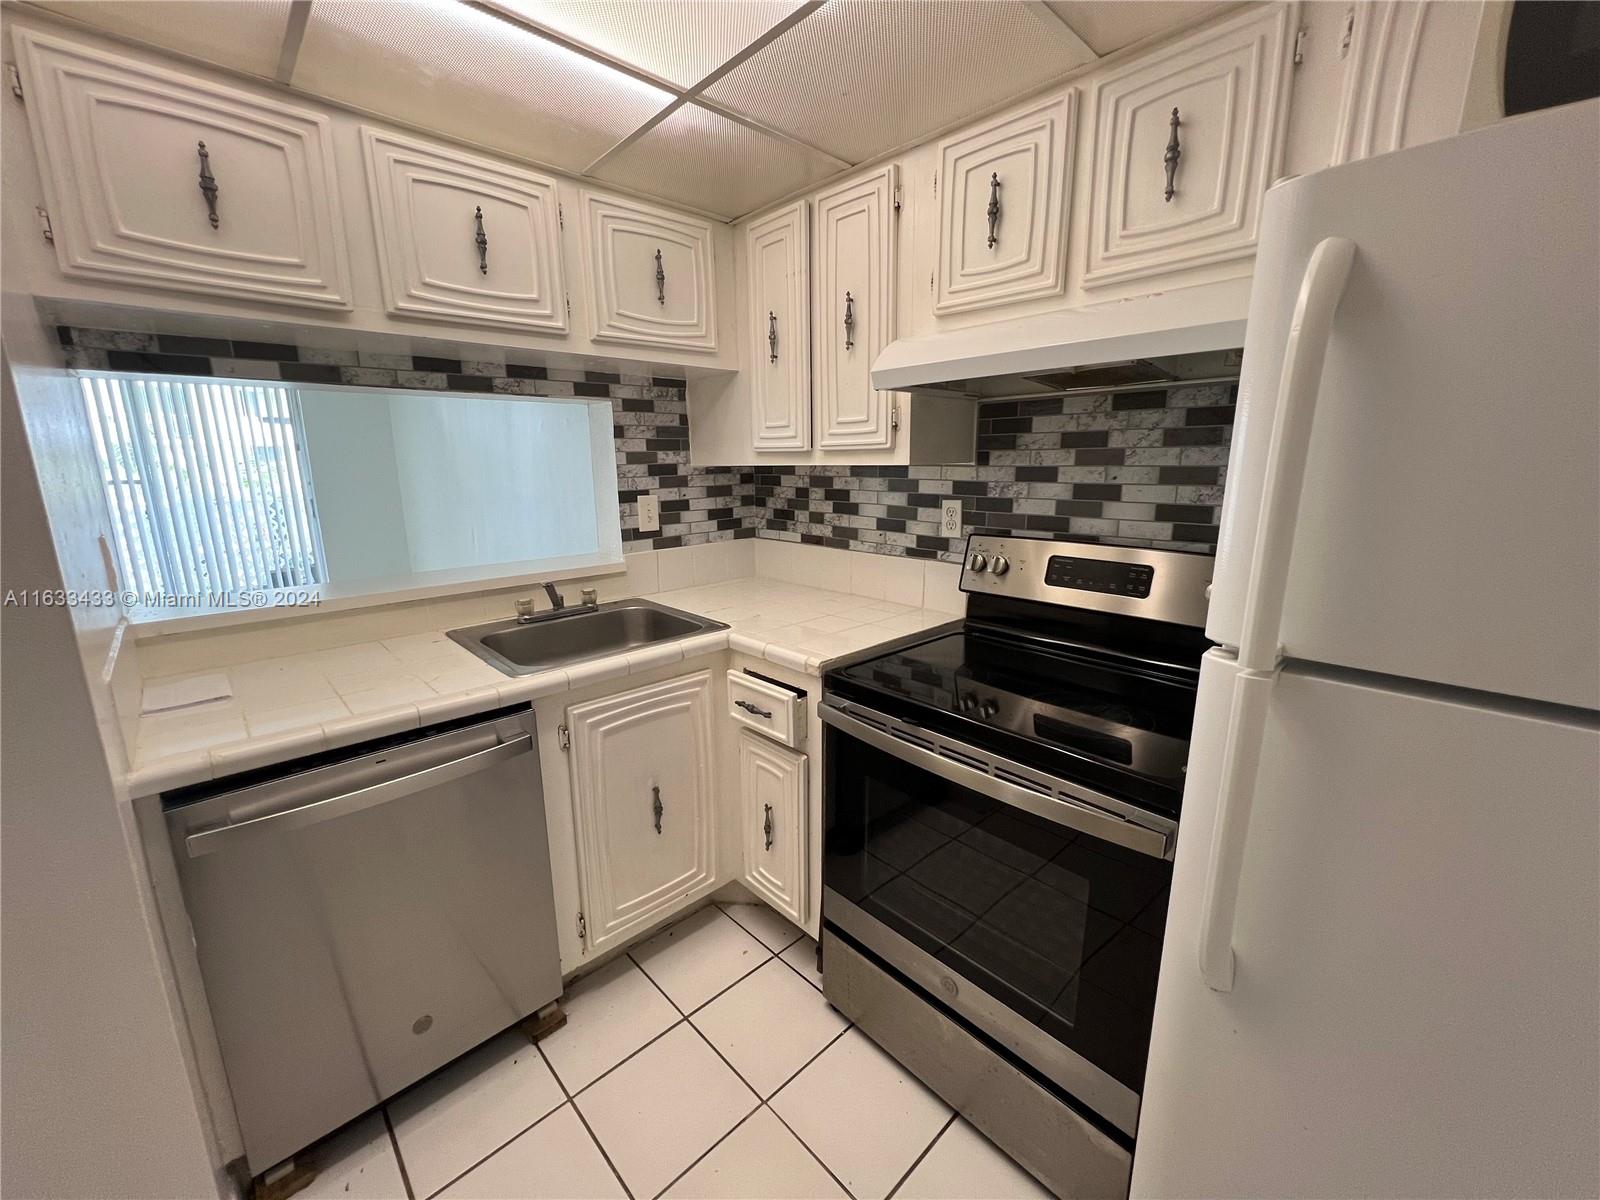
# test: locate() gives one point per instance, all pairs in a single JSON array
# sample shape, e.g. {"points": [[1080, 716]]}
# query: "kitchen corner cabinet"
{"points": [[644, 805], [1004, 188], [773, 788], [856, 254], [778, 320], [463, 238], [1187, 139], [650, 274], [165, 180]]}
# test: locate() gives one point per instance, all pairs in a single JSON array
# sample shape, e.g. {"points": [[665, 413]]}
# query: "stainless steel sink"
{"points": [[554, 641]]}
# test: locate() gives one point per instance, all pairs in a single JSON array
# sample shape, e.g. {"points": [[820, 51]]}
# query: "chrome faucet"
{"points": [[556, 602], [558, 605]]}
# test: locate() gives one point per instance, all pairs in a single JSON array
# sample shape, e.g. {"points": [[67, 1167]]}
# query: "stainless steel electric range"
{"points": [[1001, 804]]}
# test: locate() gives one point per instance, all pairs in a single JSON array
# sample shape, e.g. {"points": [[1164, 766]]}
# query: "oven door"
{"points": [[1037, 919]]}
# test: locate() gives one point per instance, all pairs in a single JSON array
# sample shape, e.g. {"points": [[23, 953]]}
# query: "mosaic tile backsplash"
{"points": [[1143, 468]]}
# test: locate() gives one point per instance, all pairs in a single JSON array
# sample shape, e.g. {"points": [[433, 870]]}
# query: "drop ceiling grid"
{"points": [[248, 40]]}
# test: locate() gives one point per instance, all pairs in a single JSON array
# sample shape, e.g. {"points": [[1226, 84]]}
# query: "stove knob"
{"points": [[999, 566], [978, 561]]}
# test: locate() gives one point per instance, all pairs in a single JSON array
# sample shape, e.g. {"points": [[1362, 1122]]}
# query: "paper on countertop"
{"points": [[183, 693]]}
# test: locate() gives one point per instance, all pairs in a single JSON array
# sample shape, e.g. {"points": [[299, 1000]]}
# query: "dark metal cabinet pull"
{"points": [[994, 207], [656, 807], [849, 322], [772, 337], [208, 184], [1173, 154], [766, 825], [482, 239], [661, 279], [751, 708]]}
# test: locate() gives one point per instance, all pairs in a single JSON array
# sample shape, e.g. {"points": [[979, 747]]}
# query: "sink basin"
{"points": [[554, 641]]}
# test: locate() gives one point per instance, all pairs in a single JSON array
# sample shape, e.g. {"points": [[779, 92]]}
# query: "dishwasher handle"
{"points": [[223, 837]]}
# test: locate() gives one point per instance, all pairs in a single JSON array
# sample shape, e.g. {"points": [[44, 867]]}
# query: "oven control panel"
{"points": [[1164, 585]]}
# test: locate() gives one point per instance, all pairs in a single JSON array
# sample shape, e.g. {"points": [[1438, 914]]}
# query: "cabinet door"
{"points": [[1004, 189], [779, 251], [855, 290], [1228, 86], [171, 181], [644, 800], [464, 238], [772, 791], [650, 274]]}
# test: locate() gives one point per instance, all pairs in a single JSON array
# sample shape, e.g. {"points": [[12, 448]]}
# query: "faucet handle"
{"points": [[591, 596], [525, 608]]}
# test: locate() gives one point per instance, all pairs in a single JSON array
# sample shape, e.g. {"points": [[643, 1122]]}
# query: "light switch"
{"points": [[649, 514], [950, 518]]}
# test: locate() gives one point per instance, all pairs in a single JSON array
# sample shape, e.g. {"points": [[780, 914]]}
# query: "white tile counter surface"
{"points": [[293, 705]]}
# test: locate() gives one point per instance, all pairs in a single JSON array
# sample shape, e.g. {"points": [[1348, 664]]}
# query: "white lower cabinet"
{"points": [[773, 795], [644, 804]]}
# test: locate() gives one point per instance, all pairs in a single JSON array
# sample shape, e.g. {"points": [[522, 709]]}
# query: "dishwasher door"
{"points": [[361, 923]]}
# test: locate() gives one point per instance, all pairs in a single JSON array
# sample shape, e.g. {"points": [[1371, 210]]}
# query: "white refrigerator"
{"points": [[1381, 974]]}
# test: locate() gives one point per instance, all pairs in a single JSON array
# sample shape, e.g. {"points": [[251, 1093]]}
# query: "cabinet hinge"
{"points": [[897, 197], [44, 225], [564, 737], [568, 298], [583, 927], [561, 217], [936, 185], [894, 414], [1300, 45], [1349, 32], [930, 283], [15, 80]]}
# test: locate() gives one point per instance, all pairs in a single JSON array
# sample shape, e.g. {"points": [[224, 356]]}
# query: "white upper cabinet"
{"points": [[165, 180], [650, 274], [778, 250], [1004, 190], [776, 824], [1187, 139], [464, 238], [855, 300]]}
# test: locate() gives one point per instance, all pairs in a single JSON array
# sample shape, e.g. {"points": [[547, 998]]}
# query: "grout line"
{"points": [[473, 1167], [399, 1158], [925, 1150], [584, 1121], [795, 1074], [729, 1065], [798, 932], [632, 1054], [796, 969], [742, 1120], [809, 1150]]}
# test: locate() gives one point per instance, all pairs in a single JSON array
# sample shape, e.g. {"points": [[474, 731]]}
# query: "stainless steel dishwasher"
{"points": [[363, 917]]}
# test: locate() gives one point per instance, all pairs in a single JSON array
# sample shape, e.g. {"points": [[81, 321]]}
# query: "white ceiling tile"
{"points": [[1109, 25], [858, 77], [460, 71], [246, 35], [681, 41], [701, 158]]}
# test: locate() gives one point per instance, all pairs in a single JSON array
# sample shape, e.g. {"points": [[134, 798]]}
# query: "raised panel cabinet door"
{"points": [[772, 791], [854, 282], [651, 274], [778, 248], [1167, 197], [644, 800], [464, 238], [163, 180], [1003, 208]]}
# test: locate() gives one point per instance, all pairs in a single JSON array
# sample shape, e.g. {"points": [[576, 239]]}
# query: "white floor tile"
{"points": [[965, 1165], [863, 1115], [760, 1160], [555, 1160], [357, 1163], [696, 958], [769, 1025], [767, 926], [610, 1014], [802, 956], [664, 1108], [474, 1106]]}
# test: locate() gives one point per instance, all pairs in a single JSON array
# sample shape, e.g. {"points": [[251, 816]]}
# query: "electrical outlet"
{"points": [[649, 514], [950, 518]]}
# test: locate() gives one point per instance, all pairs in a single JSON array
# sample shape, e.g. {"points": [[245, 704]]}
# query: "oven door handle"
{"points": [[1056, 809]]}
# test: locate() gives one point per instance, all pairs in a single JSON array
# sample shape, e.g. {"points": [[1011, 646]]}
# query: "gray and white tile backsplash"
{"points": [[1142, 468]]}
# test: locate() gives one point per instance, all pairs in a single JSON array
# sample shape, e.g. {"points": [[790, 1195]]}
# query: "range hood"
{"points": [[1149, 340]]}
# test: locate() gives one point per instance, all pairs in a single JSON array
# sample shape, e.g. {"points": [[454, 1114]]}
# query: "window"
{"points": [[236, 494]]}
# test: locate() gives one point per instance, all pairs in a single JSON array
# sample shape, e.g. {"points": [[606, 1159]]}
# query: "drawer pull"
{"points": [[994, 206], [772, 337], [482, 240], [661, 279], [208, 184], [766, 825], [656, 807], [849, 322], [1173, 154], [753, 708]]}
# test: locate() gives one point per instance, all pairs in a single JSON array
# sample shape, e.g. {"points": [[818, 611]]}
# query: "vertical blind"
{"points": [[208, 486]]}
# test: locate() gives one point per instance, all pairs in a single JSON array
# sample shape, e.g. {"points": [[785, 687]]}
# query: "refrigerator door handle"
{"points": [[1310, 329]]}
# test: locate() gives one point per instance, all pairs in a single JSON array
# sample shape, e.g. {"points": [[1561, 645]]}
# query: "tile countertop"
{"points": [[300, 704]]}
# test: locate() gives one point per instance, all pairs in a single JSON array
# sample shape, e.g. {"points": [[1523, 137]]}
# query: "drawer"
{"points": [[769, 708]]}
